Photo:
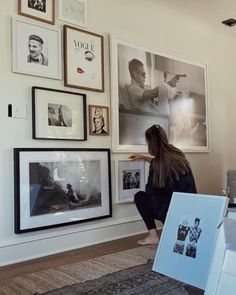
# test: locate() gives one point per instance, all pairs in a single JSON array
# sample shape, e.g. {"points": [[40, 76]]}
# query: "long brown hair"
{"points": [[169, 162]]}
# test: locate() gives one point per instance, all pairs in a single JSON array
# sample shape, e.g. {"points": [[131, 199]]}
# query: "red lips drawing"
{"points": [[80, 71]]}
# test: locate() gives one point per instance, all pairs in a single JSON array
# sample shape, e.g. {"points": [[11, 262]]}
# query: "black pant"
{"points": [[147, 210]]}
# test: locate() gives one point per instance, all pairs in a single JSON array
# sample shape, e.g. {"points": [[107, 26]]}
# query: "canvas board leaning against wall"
{"points": [[189, 237], [180, 109]]}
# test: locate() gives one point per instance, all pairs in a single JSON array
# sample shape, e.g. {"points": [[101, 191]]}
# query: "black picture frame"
{"points": [[58, 114], [59, 187]]}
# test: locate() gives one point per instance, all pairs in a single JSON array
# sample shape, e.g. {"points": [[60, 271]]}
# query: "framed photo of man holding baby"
{"points": [[151, 87]]}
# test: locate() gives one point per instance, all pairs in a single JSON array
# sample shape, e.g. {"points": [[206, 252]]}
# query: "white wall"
{"points": [[150, 22]]}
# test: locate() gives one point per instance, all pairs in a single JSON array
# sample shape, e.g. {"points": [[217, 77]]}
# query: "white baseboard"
{"points": [[40, 245]]}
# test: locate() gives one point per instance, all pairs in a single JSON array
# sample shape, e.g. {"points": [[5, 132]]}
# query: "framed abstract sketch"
{"points": [[42, 10], [129, 179], [36, 49], [151, 87], [73, 11], [98, 120], [58, 114], [57, 187], [189, 237], [83, 59]]}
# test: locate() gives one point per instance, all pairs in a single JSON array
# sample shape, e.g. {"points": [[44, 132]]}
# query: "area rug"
{"points": [[124, 273], [77, 272], [137, 280]]}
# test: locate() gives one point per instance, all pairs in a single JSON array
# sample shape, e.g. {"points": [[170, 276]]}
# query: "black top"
{"points": [[161, 197]]}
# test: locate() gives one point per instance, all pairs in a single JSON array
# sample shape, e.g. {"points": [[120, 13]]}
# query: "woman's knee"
{"points": [[138, 196]]}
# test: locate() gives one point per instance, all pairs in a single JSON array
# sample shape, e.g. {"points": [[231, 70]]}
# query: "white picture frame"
{"points": [[129, 123], [189, 237], [129, 179], [73, 12], [22, 31]]}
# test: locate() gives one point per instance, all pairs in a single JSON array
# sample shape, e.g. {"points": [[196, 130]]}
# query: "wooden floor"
{"points": [[23, 268]]}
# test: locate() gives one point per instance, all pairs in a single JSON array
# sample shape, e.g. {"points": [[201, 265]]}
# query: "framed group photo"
{"points": [[129, 179], [58, 114], [36, 49], [189, 237], [57, 187], [98, 120], [176, 98], [73, 11], [41, 10], [83, 59]]}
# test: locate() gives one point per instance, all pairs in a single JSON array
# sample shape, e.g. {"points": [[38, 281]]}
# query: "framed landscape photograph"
{"points": [[83, 59], [129, 179], [36, 49], [189, 237], [73, 11], [98, 120], [153, 87], [57, 187], [42, 10], [58, 114]]}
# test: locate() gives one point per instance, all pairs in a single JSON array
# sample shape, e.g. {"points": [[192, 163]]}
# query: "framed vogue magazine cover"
{"points": [[57, 187], [83, 59], [129, 179], [189, 237], [58, 114], [73, 11], [98, 120], [150, 87], [36, 49], [41, 10]]}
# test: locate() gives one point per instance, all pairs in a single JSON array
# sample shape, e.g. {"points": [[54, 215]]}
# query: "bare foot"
{"points": [[149, 241]]}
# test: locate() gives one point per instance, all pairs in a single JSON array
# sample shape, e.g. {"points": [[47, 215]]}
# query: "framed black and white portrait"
{"points": [[41, 10], [58, 114], [57, 187], [154, 87], [36, 49], [98, 120], [129, 179]]}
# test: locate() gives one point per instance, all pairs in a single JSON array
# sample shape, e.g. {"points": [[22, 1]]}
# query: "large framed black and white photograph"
{"points": [[154, 87], [57, 187], [58, 114], [41, 10], [36, 49], [129, 179]]}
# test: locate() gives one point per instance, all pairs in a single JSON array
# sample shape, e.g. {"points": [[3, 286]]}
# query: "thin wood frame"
{"points": [[37, 15]]}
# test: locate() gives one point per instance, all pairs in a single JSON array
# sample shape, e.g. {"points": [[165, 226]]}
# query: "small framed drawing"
{"points": [[58, 114], [98, 120], [83, 59], [129, 179], [189, 237], [57, 187], [42, 10], [73, 11], [36, 49]]}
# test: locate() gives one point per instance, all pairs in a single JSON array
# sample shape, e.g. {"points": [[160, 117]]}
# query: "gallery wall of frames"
{"points": [[77, 182]]}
